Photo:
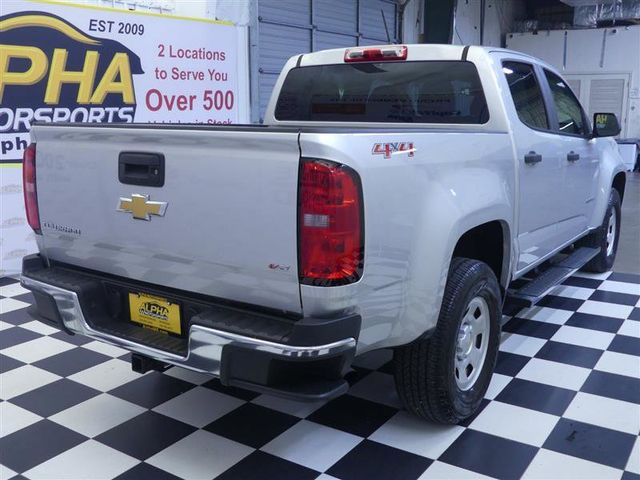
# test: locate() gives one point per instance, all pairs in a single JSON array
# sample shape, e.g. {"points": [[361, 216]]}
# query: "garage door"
{"points": [[284, 28]]}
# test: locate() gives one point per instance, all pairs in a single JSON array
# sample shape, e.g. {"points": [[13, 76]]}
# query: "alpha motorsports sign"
{"points": [[42, 53], [66, 63]]}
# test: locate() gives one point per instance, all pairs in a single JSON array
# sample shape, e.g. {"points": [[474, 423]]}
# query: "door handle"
{"points": [[141, 168], [532, 158], [573, 156]]}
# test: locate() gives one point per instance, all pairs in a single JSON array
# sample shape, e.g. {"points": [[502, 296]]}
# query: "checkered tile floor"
{"points": [[564, 402]]}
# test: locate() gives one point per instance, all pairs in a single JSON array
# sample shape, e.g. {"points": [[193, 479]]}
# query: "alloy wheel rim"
{"points": [[611, 233], [472, 343]]}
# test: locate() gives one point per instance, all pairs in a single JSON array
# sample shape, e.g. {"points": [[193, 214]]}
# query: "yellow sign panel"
{"points": [[601, 121], [153, 312]]}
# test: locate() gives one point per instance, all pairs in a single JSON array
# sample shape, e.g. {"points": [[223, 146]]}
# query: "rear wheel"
{"points": [[605, 237], [444, 378]]}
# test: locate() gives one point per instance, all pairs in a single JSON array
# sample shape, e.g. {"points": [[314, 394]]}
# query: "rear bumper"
{"points": [[284, 361]]}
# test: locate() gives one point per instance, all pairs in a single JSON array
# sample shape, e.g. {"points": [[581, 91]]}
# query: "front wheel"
{"points": [[605, 237], [444, 378]]}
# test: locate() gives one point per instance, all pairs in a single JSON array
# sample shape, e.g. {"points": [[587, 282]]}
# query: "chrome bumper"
{"points": [[205, 345]]}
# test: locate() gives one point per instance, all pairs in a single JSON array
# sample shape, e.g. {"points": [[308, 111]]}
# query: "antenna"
{"points": [[386, 29]]}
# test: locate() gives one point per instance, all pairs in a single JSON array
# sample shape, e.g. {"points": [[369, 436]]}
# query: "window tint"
{"points": [[570, 118], [408, 92], [526, 94]]}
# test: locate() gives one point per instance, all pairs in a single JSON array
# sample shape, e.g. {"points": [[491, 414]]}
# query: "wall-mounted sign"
{"points": [[71, 63], [61, 63]]}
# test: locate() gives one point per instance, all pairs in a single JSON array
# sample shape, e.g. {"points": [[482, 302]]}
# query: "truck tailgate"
{"points": [[229, 225]]}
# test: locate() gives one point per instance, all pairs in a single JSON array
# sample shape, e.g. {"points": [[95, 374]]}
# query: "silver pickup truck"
{"points": [[392, 198]]}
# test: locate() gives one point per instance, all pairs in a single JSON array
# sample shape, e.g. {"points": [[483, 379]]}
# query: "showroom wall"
{"points": [[602, 65], [499, 17], [283, 28]]}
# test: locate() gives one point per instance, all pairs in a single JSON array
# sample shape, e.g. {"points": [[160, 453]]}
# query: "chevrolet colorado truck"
{"points": [[396, 197]]}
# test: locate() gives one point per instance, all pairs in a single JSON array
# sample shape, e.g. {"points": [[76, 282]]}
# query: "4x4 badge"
{"points": [[393, 148], [141, 207]]}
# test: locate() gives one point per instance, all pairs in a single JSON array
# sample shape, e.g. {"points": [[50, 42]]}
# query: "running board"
{"points": [[534, 290]]}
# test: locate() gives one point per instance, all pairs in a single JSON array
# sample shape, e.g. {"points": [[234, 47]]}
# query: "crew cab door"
{"points": [[539, 165], [578, 156]]}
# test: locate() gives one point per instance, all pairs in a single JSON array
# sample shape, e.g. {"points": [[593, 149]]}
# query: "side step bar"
{"points": [[534, 290]]}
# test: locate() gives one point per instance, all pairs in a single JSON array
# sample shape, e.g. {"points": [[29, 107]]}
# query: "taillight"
{"points": [[331, 224], [376, 54], [29, 187]]}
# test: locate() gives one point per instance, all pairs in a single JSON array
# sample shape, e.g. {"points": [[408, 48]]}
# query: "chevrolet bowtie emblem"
{"points": [[141, 207]]}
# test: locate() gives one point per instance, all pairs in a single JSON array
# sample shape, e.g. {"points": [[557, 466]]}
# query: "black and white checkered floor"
{"points": [[564, 403]]}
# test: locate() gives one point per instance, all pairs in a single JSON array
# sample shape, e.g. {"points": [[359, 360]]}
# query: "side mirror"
{"points": [[605, 125]]}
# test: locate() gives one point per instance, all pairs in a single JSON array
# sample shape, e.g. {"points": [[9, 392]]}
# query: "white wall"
{"points": [[499, 18], [192, 8], [590, 52], [467, 23], [412, 21], [236, 11], [159, 6]]}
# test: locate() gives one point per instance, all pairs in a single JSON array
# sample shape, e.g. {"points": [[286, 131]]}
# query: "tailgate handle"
{"points": [[141, 168]]}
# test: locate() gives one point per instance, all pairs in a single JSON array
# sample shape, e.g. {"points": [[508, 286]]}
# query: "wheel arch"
{"points": [[489, 242], [619, 183]]}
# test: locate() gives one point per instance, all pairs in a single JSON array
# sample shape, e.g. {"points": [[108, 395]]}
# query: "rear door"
{"points": [[539, 165], [224, 224], [578, 156]]}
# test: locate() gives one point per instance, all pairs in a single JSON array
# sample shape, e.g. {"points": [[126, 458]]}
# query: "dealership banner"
{"points": [[61, 62]]}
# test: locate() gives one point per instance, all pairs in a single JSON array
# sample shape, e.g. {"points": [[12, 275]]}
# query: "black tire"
{"points": [[603, 262], [425, 374]]}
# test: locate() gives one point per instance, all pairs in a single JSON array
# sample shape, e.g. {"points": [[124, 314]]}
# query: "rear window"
{"points": [[402, 92]]}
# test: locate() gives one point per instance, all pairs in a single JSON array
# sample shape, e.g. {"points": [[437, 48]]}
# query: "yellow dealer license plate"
{"points": [[154, 312]]}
